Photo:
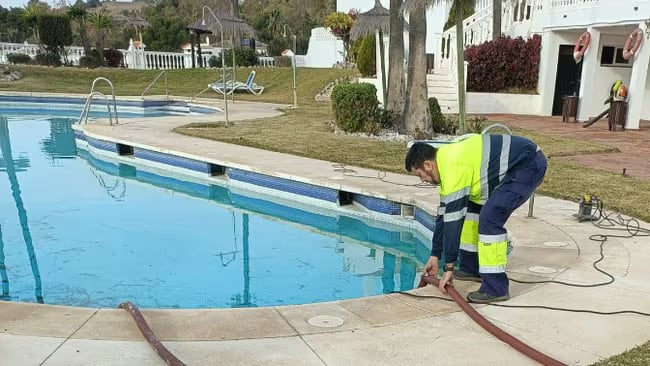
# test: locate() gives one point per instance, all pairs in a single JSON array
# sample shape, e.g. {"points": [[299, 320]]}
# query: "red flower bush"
{"points": [[507, 63]]}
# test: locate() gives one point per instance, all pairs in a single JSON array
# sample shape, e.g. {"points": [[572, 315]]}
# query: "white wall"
{"points": [[605, 77], [324, 49], [551, 42], [645, 111], [504, 103]]}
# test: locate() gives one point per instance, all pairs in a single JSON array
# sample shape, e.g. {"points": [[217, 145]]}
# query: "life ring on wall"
{"points": [[629, 50], [579, 52]]}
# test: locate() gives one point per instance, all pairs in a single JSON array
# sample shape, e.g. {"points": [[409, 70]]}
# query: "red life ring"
{"points": [[629, 50], [579, 52]]}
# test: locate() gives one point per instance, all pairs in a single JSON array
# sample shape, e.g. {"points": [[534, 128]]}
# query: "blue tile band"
{"points": [[425, 218], [378, 204], [172, 160], [286, 185], [102, 144]]}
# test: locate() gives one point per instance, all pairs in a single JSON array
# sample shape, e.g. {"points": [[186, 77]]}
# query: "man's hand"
{"points": [[431, 268], [447, 279]]}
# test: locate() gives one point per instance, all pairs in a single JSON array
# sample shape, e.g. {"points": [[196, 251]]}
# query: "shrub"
{"points": [[243, 57], [91, 60], [438, 120], [356, 107], [48, 59], [503, 64], [476, 124], [214, 61], [19, 58], [366, 60], [113, 57]]}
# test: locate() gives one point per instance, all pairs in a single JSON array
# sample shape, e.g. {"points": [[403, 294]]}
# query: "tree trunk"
{"points": [[236, 36], [416, 110], [83, 34], [496, 19], [100, 46], [460, 67], [396, 87]]}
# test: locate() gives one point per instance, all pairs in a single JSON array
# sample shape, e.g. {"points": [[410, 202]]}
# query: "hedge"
{"points": [[507, 63]]}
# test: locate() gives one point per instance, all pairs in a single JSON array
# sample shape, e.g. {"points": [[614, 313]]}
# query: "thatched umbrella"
{"points": [[375, 19]]}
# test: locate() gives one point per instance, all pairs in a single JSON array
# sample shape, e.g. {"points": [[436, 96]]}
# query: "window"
{"points": [[613, 56]]}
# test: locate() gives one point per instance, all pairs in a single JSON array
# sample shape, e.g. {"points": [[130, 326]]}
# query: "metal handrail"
{"points": [[89, 99], [84, 112], [154, 81], [92, 89]]}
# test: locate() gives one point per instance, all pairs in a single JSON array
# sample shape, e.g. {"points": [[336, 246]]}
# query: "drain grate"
{"points": [[325, 321]]}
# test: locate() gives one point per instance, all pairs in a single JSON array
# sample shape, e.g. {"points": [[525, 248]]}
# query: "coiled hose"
{"points": [[493, 329]]}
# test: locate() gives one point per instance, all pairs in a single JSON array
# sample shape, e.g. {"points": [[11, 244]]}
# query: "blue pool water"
{"points": [[83, 231]]}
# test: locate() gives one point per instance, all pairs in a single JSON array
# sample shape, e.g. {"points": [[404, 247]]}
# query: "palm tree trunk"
{"points": [[396, 87], [416, 111], [99, 44], [84, 37], [460, 67], [496, 19]]}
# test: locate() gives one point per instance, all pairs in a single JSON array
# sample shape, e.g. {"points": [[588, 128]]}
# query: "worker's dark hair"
{"points": [[417, 154]]}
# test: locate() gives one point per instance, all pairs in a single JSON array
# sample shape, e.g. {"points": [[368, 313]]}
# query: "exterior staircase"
{"points": [[442, 85]]}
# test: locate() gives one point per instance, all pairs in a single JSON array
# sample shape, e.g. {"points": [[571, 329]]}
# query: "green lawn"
{"points": [[304, 132]]}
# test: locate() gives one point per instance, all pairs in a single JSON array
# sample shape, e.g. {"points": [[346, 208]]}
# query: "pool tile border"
{"points": [[331, 195]]}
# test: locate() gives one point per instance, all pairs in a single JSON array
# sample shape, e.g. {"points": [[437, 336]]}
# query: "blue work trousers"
{"points": [[517, 187]]}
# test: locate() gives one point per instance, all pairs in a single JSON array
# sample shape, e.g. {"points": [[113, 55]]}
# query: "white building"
{"points": [[560, 23]]}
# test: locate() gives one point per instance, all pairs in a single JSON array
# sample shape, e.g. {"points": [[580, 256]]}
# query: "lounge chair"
{"points": [[230, 87]]}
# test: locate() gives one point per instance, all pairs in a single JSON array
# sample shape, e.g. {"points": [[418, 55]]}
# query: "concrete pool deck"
{"points": [[393, 329]]}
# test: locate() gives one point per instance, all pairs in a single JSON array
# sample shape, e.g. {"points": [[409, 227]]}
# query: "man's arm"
{"points": [[436, 243]]}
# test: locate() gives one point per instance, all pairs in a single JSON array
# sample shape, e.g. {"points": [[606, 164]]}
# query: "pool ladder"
{"points": [[89, 100]]}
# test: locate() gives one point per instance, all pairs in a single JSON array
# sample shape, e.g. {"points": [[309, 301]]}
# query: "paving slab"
{"points": [[188, 325], [430, 341], [83, 352], [321, 318], [33, 350], [35, 319], [561, 351], [287, 351]]}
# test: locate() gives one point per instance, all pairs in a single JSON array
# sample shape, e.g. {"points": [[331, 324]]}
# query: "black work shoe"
{"points": [[466, 276], [483, 298]]}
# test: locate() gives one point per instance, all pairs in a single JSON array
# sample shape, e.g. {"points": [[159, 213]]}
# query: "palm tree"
{"points": [[412, 6], [78, 14], [30, 17], [496, 19], [102, 22], [416, 110], [396, 87]]}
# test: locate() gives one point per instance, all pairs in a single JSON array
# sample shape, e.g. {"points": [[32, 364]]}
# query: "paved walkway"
{"points": [[633, 144], [391, 329]]}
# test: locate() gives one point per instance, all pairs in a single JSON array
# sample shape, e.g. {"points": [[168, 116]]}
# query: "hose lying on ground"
{"points": [[493, 329], [151, 338]]}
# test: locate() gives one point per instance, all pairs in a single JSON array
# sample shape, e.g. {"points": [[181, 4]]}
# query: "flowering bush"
{"points": [[504, 64]]}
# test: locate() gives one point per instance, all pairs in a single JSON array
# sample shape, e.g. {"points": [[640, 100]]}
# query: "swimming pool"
{"points": [[86, 231], [71, 107]]}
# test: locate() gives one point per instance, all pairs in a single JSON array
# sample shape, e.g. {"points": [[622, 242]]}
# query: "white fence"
{"points": [[135, 57]]}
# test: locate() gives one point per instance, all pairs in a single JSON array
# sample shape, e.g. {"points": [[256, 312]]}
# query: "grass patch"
{"points": [[638, 356], [189, 82]]}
